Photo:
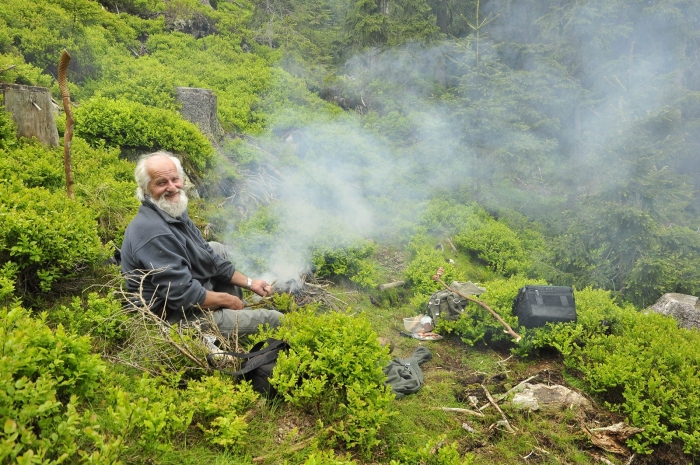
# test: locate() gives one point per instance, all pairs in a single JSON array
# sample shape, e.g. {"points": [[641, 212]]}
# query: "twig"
{"points": [[459, 410], [500, 397], [508, 329], [506, 425], [467, 427], [503, 415], [151, 332], [504, 360], [600, 458]]}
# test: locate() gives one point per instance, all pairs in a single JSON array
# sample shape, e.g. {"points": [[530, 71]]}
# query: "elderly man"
{"points": [[166, 259]]}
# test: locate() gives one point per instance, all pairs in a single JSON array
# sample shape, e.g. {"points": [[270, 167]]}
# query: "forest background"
{"points": [[535, 141]]}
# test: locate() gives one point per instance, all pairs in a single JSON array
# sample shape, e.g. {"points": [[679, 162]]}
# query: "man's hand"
{"points": [[222, 300], [260, 287]]}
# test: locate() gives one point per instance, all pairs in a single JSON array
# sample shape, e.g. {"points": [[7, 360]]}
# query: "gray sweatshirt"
{"points": [[178, 264]]}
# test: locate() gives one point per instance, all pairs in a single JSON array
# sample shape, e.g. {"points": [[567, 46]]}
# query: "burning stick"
{"points": [[508, 329]]}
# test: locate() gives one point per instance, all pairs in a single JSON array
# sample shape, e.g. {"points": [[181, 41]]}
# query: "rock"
{"points": [[543, 397], [685, 309], [193, 23]]}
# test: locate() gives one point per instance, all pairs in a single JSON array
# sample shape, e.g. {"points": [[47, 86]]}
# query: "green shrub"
{"points": [[34, 165], [641, 365], [43, 375], [648, 370], [16, 71], [97, 316], [103, 182], [8, 129], [146, 81], [351, 262], [129, 124], [497, 245], [220, 409], [327, 458], [423, 265], [237, 78], [148, 415], [134, 7], [434, 452], [444, 216], [8, 278], [48, 236], [151, 414], [334, 370]]}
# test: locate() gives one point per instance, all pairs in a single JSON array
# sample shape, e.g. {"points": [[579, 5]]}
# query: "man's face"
{"points": [[165, 180], [165, 187]]}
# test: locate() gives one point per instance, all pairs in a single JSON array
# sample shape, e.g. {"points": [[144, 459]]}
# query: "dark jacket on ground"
{"points": [[404, 375], [185, 264]]}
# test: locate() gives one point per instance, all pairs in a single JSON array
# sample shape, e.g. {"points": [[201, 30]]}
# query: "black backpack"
{"points": [[257, 364]]}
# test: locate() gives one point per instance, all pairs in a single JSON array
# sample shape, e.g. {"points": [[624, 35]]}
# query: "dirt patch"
{"points": [[665, 455], [392, 261]]}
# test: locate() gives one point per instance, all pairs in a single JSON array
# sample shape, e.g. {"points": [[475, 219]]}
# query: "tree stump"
{"points": [[199, 106], [32, 111]]}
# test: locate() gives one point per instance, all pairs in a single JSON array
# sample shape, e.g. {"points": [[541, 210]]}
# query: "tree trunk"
{"points": [[32, 111], [199, 106], [442, 16]]}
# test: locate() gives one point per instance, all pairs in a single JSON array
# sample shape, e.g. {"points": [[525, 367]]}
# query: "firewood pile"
{"points": [[306, 292]]}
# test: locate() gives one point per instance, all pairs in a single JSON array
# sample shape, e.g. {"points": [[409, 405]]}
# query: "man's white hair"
{"points": [[142, 176]]}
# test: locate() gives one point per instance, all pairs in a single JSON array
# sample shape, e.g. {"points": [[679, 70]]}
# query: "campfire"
{"points": [[305, 292]]}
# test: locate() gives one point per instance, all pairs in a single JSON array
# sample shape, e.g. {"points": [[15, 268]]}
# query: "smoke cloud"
{"points": [[498, 119]]}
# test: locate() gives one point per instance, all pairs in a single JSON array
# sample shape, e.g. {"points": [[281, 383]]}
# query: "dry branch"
{"points": [[467, 427], [508, 392], [508, 329], [459, 410], [503, 422], [384, 287], [153, 343]]}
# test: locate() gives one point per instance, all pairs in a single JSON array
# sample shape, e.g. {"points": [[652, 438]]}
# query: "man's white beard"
{"points": [[173, 209]]}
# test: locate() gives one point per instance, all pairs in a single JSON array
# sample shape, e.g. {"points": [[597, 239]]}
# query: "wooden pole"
{"points": [[68, 136]]}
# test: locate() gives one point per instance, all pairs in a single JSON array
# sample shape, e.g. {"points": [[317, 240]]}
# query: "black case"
{"points": [[537, 305]]}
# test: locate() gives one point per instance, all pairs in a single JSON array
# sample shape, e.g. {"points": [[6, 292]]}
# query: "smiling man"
{"points": [[166, 260]]}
